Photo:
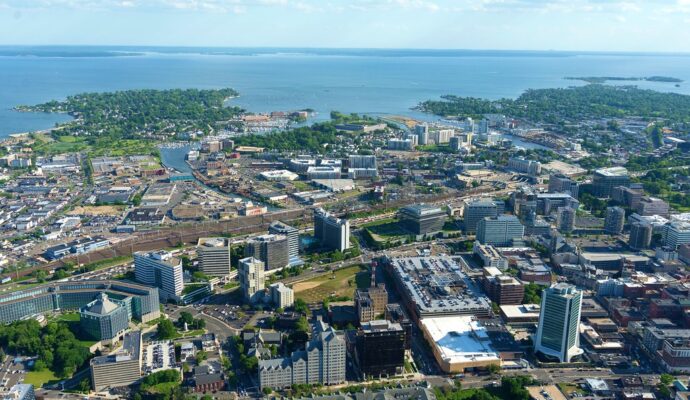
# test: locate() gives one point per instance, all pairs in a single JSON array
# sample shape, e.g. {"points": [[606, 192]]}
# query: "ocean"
{"points": [[378, 82]]}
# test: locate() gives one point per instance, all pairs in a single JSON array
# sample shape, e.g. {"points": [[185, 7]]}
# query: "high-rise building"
{"points": [[214, 256], [476, 210], [421, 219], [422, 131], [292, 234], [273, 250], [330, 231], [281, 295], [628, 196], [104, 319], [500, 231], [379, 348], [559, 183], [558, 334], [440, 136], [362, 167], [615, 220], [400, 144], [566, 219], [252, 278], [605, 179], [160, 269], [653, 206], [676, 234], [640, 235]]}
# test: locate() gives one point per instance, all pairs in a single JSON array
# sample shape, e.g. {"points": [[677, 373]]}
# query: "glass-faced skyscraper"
{"points": [[558, 334]]}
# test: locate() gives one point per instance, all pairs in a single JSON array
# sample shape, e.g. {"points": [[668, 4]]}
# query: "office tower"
{"points": [[250, 272], [122, 368], [558, 334], [566, 219], [499, 231], [628, 196], [615, 220], [20, 391], [421, 219], [523, 200], [652, 206], [104, 319], [640, 235], [523, 166], [676, 233], [330, 231], [160, 269], [559, 183], [422, 131], [476, 210], [281, 295], [214, 256], [273, 250], [605, 179], [292, 234], [483, 126], [379, 348]]}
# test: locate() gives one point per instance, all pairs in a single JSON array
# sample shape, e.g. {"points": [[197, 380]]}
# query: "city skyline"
{"points": [[581, 25]]}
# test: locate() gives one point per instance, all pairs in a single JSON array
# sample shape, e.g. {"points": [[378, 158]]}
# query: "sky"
{"points": [[577, 25]]}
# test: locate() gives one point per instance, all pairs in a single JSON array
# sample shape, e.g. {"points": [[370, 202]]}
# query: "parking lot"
{"points": [[11, 373]]}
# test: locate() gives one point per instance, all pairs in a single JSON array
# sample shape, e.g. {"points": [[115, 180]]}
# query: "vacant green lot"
{"points": [[342, 282], [38, 378]]}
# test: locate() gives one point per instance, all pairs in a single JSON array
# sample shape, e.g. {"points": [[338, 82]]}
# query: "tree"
{"points": [[166, 329], [494, 369], [302, 325], [666, 379], [185, 317], [201, 356], [300, 306]]}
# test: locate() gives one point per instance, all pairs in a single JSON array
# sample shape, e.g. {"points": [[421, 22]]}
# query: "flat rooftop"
{"points": [[612, 171], [437, 285], [460, 339], [521, 311]]}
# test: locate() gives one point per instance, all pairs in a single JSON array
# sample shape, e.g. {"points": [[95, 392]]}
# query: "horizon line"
{"points": [[172, 46]]}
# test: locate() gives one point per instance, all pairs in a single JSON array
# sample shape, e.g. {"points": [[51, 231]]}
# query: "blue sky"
{"points": [[598, 25]]}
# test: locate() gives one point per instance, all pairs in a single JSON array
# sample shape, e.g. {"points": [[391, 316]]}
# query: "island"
{"points": [[604, 79]]}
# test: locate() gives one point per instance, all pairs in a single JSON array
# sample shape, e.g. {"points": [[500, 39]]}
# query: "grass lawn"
{"points": [[38, 378], [386, 229], [164, 387], [302, 186], [341, 283], [568, 388]]}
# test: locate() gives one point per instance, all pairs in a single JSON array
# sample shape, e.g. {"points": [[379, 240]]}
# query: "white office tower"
{"points": [[160, 269], [330, 231], [214, 256], [558, 334], [292, 233], [250, 272]]}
